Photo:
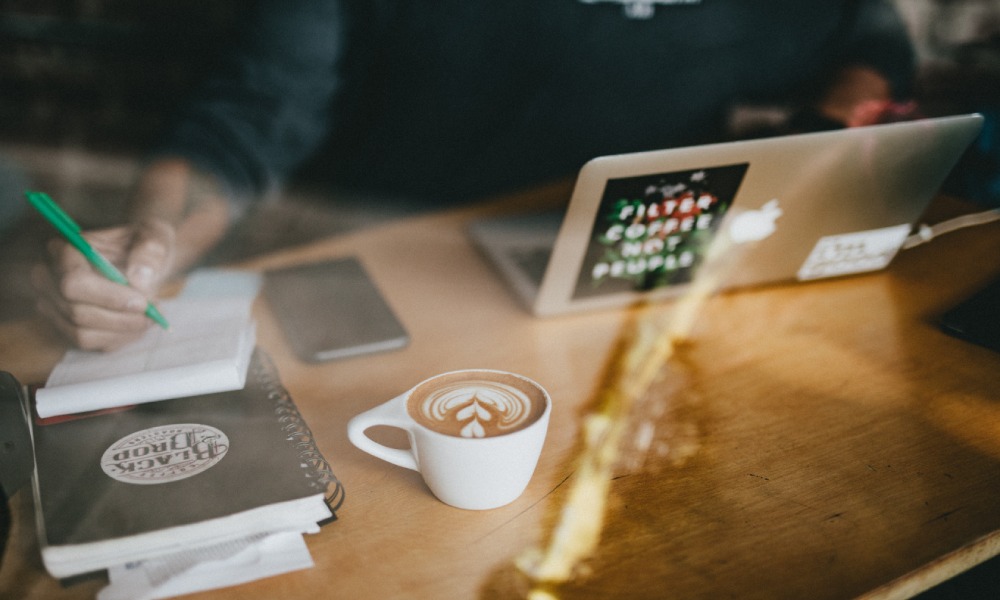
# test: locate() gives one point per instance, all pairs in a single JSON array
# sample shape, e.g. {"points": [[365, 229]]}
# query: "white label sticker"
{"points": [[853, 252], [164, 454]]}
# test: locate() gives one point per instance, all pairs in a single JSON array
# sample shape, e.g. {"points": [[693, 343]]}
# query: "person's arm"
{"points": [[173, 192], [177, 215], [268, 106], [238, 139]]}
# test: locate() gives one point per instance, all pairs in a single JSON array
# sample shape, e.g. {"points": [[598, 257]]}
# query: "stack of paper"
{"points": [[206, 349], [212, 486], [222, 565]]}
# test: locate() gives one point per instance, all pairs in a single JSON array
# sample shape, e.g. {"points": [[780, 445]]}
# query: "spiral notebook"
{"points": [[178, 475]]}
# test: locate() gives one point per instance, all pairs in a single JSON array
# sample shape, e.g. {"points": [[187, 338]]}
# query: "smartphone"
{"points": [[977, 318], [332, 310]]}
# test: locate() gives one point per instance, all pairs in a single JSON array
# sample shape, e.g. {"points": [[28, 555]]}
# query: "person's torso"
{"points": [[464, 98]]}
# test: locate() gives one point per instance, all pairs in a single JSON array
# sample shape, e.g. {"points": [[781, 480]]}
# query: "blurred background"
{"points": [[102, 76], [86, 85]]}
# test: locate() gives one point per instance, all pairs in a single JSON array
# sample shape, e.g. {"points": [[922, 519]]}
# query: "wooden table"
{"points": [[817, 441]]}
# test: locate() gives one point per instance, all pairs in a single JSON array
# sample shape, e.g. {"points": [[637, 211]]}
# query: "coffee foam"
{"points": [[476, 404]]}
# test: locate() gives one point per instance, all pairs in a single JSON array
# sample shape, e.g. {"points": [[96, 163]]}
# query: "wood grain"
{"points": [[822, 440]]}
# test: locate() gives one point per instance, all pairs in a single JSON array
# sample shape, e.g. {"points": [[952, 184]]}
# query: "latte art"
{"points": [[475, 407], [475, 435]]}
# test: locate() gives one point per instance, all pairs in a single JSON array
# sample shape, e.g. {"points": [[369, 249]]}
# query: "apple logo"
{"points": [[755, 225]]}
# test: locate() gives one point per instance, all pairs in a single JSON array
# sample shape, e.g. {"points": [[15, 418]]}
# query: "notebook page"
{"points": [[206, 349]]}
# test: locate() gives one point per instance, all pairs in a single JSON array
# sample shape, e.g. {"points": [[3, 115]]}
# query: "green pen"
{"points": [[71, 231]]}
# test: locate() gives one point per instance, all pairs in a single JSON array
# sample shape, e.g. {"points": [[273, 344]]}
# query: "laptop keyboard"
{"points": [[532, 261]]}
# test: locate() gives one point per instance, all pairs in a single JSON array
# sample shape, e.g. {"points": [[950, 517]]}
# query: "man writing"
{"points": [[451, 100]]}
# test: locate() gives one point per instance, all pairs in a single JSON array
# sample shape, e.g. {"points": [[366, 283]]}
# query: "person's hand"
{"points": [[876, 112], [860, 96], [93, 312]]}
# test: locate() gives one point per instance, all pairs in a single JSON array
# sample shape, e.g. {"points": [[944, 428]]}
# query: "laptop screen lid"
{"points": [[818, 205]]}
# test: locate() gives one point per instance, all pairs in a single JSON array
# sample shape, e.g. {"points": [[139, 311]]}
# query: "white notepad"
{"points": [[206, 349]]}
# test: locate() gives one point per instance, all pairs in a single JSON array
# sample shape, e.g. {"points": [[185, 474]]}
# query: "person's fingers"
{"points": [[91, 311], [70, 282], [87, 300], [110, 331], [874, 112], [62, 257], [150, 256]]}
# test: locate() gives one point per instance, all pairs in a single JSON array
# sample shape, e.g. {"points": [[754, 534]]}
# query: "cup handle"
{"points": [[390, 414]]}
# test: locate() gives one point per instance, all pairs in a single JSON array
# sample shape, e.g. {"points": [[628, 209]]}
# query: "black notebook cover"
{"points": [[269, 457]]}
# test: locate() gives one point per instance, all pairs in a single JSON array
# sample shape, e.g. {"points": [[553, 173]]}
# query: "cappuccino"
{"points": [[476, 404], [475, 435]]}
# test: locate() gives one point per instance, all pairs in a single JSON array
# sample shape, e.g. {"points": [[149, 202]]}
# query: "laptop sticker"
{"points": [[755, 225], [653, 230], [852, 253]]}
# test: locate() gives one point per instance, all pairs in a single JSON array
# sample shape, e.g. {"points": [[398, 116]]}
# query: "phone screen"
{"points": [[332, 310]]}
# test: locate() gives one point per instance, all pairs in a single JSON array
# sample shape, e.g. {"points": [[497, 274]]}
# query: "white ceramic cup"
{"points": [[475, 435]]}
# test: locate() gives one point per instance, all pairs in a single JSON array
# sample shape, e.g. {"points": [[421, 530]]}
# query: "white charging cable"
{"points": [[926, 233]]}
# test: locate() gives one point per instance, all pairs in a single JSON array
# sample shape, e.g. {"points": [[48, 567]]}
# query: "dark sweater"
{"points": [[463, 98]]}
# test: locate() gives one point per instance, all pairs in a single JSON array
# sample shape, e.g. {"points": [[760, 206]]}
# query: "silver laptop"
{"points": [[800, 207]]}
